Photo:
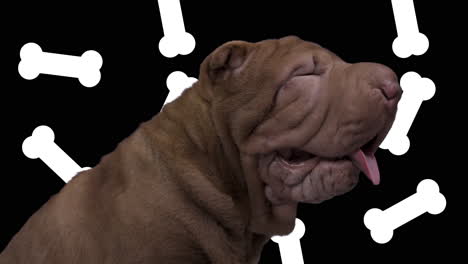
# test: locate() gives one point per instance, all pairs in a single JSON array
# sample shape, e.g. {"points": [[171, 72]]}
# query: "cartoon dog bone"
{"points": [[41, 145], [177, 82], [290, 246], [426, 199], [409, 40], [34, 61], [175, 40], [415, 91]]}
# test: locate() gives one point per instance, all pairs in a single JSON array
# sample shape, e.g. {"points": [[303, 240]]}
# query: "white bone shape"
{"points": [[34, 61], [426, 199], [290, 245], [409, 40], [41, 145], [415, 91], [177, 82], [176, 40]]}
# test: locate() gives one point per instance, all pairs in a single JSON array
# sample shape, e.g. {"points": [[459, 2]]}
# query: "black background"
{"points": [[89, 122]]}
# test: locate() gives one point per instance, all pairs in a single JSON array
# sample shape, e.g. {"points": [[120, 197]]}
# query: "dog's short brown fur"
{"points": [[201, 181]]}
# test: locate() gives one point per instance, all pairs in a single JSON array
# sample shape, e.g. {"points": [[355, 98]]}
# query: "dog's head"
{"points": [[304, 122]]}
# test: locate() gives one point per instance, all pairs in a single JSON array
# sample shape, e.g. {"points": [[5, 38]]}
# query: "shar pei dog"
{"points": [[223, 167]]}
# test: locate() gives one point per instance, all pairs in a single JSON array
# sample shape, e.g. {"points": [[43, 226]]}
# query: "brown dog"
{"points": [[221, 169]]}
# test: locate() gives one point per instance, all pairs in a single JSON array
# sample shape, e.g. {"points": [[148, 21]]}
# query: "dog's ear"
{"points": [[226, 58]]}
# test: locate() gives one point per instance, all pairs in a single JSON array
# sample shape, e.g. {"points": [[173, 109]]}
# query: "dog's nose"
{"points": [[390, 89], [378, 76], [385, 80]]}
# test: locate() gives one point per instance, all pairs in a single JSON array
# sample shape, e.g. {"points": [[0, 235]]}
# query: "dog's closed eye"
{"points": [[309, 68], [305, 70]]}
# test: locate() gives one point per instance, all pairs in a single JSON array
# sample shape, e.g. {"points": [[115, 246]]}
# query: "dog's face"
{"points": [[311, 121]]}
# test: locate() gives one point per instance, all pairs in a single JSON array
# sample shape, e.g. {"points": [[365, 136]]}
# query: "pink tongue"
{"points": [[367, 164]]}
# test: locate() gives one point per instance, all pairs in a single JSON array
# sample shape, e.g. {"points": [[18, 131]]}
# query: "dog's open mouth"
{"points": [[363, 159], [294, 157]]}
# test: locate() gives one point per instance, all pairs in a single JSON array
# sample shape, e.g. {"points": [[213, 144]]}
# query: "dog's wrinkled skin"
{"points": [[208, 179]]}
